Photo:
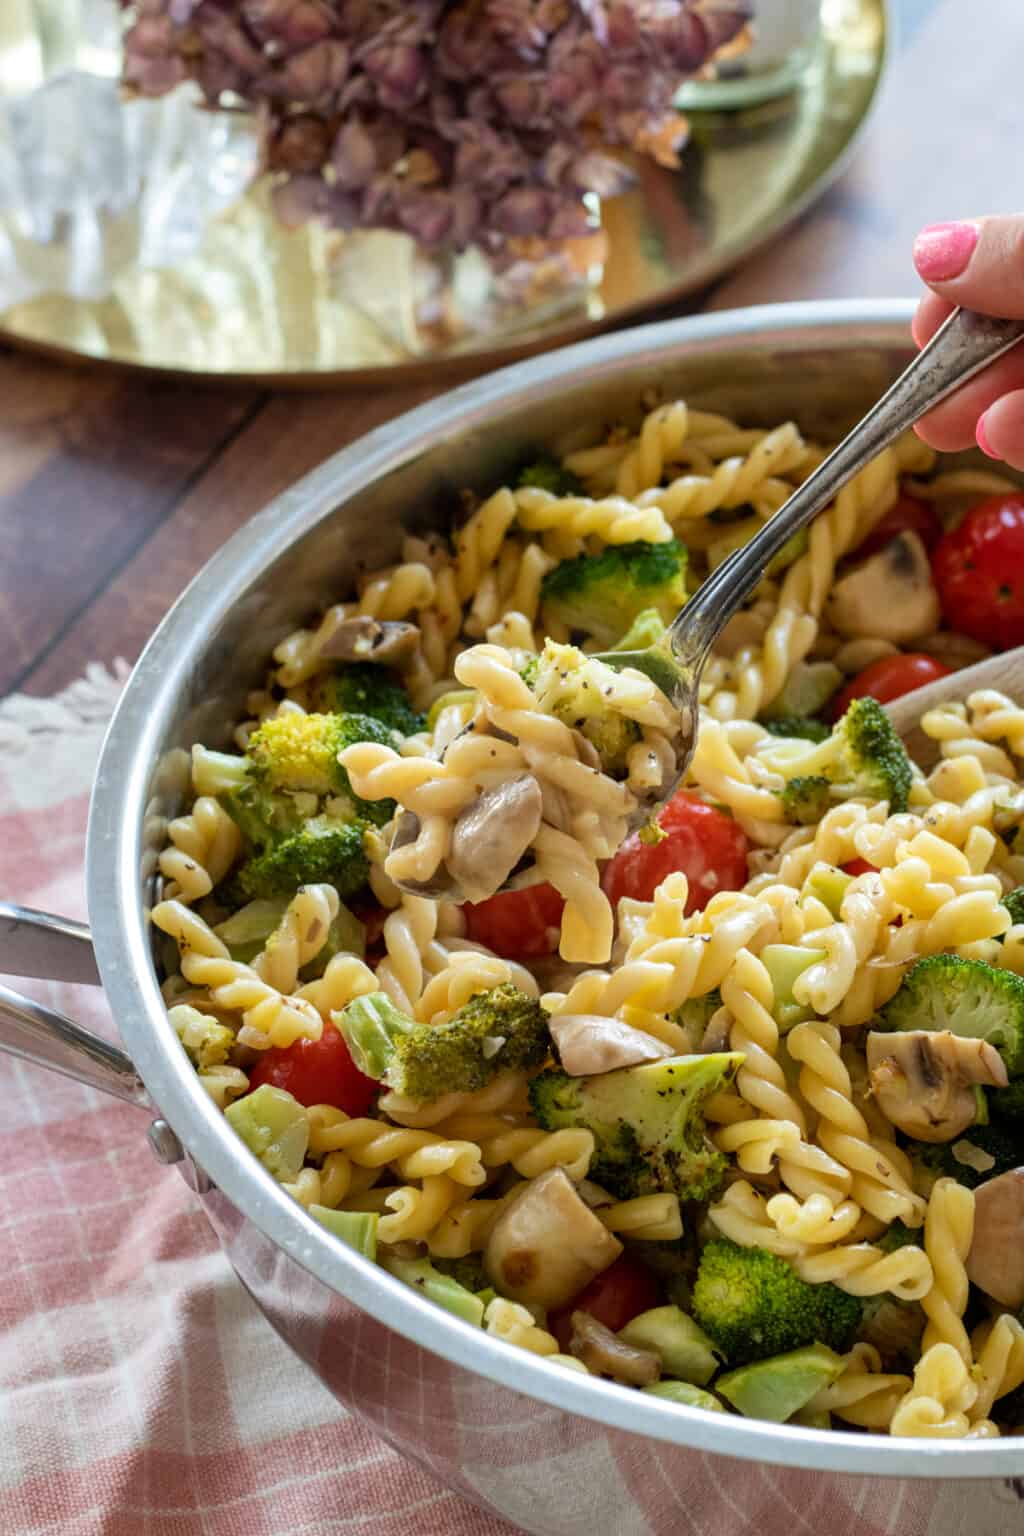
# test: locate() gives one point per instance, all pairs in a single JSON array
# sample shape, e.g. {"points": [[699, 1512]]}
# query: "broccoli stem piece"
{"points": [[686, 1395], [546, 474], [440, 1289], [493, 1032], [275, 1127], [647, 1122], [862, 758], [356, 1228], [683, 1348], [366, 688], [777, 1388], [603, 594]]}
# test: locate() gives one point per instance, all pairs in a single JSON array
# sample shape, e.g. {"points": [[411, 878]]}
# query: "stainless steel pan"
{"points": [[551, 1450]]}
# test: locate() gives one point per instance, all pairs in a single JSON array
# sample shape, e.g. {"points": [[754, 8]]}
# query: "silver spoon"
{"points": [[964, 345]]}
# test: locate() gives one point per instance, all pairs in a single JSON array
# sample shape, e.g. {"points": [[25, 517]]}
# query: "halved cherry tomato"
{"points": [[624, 1290], [317, 1072], [889, 678], [517, 924], [707, 845], [906, 515], [857, 867], [979, 573]]}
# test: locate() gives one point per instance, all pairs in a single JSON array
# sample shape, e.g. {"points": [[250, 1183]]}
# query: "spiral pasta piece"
{"points": [[299, 937], [948, 1231], [374, 1143], [842, 1130], [268, 1018], [204, 846], [528, 1150], [937, 1404]]}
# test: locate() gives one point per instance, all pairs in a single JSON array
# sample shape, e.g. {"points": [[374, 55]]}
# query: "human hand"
{"points": [[978, 263]]}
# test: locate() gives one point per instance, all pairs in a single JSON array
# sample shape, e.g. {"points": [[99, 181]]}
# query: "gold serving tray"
{"points": [[310, 308]]}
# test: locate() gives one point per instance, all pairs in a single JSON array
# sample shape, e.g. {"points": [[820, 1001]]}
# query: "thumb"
{"points": [[978, 263]]}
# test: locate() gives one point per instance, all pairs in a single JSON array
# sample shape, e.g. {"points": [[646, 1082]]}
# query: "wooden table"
{"points": [[114, 491]]}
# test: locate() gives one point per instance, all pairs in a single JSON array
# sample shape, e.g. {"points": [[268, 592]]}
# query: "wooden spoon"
{"points": [[1005, 673]]}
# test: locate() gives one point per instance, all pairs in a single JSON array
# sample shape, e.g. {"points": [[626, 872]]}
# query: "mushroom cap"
{"points": [[890, 596], [995, 1263], [923, 1080], [589, 1043], [362, 638], [547, 1244]]}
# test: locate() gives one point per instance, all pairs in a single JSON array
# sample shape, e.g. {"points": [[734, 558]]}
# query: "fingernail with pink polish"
{"points": [[981, 437], [942, 251]]}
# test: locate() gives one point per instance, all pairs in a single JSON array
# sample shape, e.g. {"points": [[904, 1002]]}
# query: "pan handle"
{"points": [[38, 944]]}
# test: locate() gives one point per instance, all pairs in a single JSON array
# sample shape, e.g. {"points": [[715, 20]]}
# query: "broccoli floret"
{"points": [[974, 1000], [648, 1122], [806, 798], [897, 1235], [863, 757], [798, 728], [1013, 901], [579, 690], [300, 752], [468, 1272], [494, 1031], [365, 689], [753, 1304], [982, 1152], [547, 474], [602, 594], [207, 1042], [324, 849]]}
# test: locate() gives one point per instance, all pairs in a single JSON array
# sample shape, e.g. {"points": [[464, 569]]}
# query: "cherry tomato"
{"points": [[857, 867], [889, 678], [517, 924], [979, 573], [317, 1072], [614, 1297], [906, 515], [706, 844]]}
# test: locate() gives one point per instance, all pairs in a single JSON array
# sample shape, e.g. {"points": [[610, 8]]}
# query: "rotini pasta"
{"points": [[466, 760]]}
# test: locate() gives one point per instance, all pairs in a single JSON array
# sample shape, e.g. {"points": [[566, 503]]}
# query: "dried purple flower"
{"points": [[458, 121]]}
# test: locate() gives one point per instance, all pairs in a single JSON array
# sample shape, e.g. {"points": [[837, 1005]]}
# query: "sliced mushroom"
{"points": [[546, 1245], [492, 834], [386, 641], [716, 1035], [589, 1044], [923, 1081], [440, 884], [995, 1263], [890, 596], [604, 1354]]}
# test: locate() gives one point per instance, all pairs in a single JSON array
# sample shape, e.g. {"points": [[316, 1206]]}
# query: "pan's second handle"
{"points": [[39, 944], [46, 1037], [57, 949]]}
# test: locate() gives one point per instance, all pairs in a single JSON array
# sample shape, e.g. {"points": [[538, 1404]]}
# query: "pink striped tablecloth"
{"points": [[141, 1391], [143, 1394]]}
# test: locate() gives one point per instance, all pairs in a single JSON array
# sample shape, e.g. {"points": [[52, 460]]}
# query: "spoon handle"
{"points": [[964, 345]]}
